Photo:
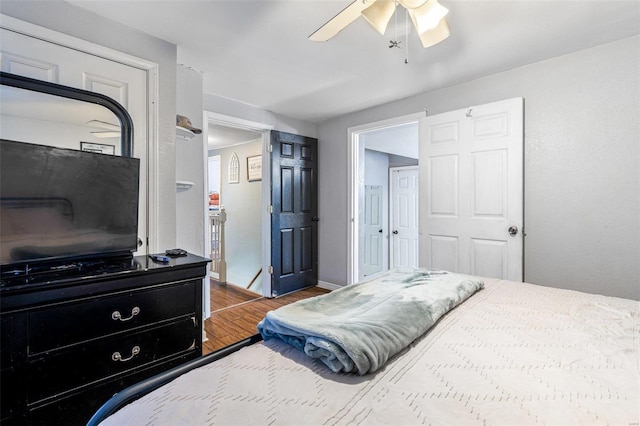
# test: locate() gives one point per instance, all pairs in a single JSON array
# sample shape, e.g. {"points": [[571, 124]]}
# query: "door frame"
{"points": [[150, 68], [264, 129], [355, 184], [391, 204]]}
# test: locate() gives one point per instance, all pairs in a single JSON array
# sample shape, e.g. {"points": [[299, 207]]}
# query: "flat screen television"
{"points": [[60, 205]]}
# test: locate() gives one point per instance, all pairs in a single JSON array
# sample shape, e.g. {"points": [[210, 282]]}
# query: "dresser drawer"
{"points": [[80, 321], [9, 390], [6, 341], [88, 363]]}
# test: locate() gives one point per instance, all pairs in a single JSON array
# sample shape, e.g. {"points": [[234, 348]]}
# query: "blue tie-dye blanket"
{"points": [[356, 329]]}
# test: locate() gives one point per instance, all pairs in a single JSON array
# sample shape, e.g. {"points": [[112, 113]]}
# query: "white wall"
{"points": [[189, 164], [582, 166], [65, 18]]}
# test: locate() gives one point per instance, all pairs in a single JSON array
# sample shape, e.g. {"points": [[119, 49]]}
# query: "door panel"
{"points": [[472, 168], [490, 183], [443, 180], [443, 251], [488, 258], [294, 222]]}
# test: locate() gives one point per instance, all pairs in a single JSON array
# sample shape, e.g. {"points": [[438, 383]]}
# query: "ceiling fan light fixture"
{"points": [[435, 35], [428, 16], [379, 14]]}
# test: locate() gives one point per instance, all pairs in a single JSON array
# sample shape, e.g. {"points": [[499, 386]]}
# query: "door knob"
{"points": [[395, 232], [513, 231], [380, 231], [315, 219]]}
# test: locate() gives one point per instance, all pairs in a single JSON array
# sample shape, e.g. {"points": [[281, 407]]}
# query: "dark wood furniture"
{"points": [[71, 340]]}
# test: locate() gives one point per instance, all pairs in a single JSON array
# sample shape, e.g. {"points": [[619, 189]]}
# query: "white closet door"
{"points": [[471, 168], [404, 217], [374, 235], [31, 57]]}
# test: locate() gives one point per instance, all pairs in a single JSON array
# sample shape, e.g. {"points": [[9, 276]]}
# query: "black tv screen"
{"points": [[58, 204]]}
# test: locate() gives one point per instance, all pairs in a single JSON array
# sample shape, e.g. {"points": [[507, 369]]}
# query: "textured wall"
{"points": [[582, 166]]}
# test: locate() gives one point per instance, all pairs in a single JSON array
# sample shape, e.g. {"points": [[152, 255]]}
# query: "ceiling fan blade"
{"points": [[340, 21]]}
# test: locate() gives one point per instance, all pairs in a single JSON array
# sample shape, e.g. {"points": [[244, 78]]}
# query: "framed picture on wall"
{"points": [[254, 168], [99, 148]]}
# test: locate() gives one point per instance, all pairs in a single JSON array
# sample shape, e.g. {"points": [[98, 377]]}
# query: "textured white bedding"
{"points": [[513, 354]]}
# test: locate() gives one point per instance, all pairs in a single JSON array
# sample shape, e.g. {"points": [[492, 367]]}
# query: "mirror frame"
{"points": [[126, 124]]}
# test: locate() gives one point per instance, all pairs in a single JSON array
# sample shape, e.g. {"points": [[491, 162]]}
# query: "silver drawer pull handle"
{"points": [[117, 357], [116, 315]]}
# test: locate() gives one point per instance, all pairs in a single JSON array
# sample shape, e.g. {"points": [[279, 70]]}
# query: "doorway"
{"points": [[234, 146], [374, 150]]}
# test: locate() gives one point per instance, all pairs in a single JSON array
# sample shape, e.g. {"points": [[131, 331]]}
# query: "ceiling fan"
{"points": [[428, 18]]}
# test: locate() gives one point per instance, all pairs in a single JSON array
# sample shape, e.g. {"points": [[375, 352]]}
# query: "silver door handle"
{"points": [[513, 231]]}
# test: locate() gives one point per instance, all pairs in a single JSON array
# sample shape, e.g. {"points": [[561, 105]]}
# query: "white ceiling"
{"points": [[257, 52], [222, 136]]}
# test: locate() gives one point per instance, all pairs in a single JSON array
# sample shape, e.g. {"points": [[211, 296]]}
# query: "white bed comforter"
{"points": [[513, 354]]}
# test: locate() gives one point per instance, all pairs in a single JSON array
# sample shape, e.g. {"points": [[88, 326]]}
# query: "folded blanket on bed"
{"points": [[359, 327]]}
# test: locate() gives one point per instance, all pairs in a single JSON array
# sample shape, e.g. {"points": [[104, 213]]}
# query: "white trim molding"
{"points": [[328, 286]]}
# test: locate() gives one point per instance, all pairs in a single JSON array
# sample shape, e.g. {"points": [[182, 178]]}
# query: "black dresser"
{"points": [[73, 338]]}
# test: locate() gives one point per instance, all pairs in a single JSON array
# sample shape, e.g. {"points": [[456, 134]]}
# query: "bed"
{"points": [[511, 353]]}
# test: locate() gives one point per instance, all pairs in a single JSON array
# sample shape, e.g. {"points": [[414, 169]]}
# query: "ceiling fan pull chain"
{"points": [[395, 42], [395, 17], [406, 36]]}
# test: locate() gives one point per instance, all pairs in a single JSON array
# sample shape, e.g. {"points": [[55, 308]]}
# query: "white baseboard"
{"points": [[328, 286]]}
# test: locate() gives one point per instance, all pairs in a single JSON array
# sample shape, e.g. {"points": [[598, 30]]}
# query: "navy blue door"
{"points": [[294, 221]]}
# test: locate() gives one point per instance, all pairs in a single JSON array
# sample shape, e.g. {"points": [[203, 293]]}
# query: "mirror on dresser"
{"points": [[65, 193], [36, 111]]}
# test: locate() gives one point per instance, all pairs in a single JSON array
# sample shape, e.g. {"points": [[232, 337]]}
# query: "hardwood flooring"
{"points": [[236, 313]]}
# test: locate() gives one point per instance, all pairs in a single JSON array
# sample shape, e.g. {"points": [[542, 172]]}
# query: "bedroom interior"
{"points": [[526, 348]]}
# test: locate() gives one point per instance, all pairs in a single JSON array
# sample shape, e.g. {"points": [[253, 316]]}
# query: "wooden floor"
{"points": [[236, 312]]}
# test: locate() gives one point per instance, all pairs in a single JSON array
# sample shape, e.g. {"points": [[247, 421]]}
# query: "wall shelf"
{"points": [[184, 184], [184, 134]]}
